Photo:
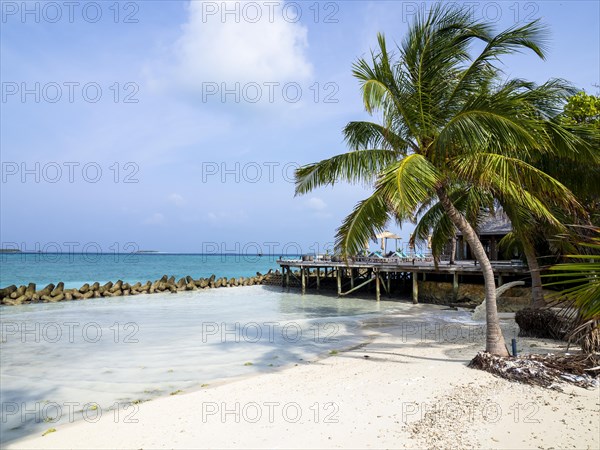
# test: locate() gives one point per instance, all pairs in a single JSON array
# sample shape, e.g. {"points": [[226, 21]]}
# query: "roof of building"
{"points": [[495, 224]]}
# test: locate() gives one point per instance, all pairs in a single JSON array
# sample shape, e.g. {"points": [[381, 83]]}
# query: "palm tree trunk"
{"points": [[494, 339], [453, 249], [537, 293]]}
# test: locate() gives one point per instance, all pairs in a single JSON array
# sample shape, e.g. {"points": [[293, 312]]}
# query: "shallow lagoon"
{"points": [[62, 360], [111, 352]]}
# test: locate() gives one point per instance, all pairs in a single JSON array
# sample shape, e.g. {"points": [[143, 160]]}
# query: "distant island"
{"points": [[10, 250]]}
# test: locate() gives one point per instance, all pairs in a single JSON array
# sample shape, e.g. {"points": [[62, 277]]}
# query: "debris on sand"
{"points": [[548, 371]]}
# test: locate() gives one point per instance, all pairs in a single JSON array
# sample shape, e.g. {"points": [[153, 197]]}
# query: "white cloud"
{"points": [[155, 219], [236, 47], [316, 204], [177, 200]]}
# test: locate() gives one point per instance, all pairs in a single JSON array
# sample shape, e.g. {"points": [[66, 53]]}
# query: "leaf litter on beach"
{"points": [[547, 371]]}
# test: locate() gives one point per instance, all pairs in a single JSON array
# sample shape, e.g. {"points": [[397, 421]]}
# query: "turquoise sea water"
{"points": [[67, 361], [60, 361], [76, 269]]}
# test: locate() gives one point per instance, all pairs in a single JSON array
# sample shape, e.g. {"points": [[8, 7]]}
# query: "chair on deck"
{"points": [[424, 258], [377, 256], [401, 256]]}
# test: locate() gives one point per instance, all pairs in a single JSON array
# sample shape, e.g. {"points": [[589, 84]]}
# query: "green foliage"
{"points": [[580, 297], [581, 172], [582, 276], [582, 108], [451, 123], [473, 203], [450, 120]]}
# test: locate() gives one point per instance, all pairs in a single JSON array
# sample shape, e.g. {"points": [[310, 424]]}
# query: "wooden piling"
{"points": [[318, 278], [389, 282], [455, 285], [415, 287]]}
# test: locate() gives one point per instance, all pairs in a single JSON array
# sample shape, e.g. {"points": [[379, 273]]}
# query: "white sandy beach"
{"points": [[393, 392]]}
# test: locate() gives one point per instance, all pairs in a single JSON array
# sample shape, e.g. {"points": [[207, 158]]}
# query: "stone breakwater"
{"points": [[13, 295]]}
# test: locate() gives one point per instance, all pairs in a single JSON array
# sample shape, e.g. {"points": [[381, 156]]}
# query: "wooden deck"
{"points": [[357, 274]]}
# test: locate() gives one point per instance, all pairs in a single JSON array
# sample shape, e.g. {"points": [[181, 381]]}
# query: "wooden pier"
{"points": [[353, 275]]}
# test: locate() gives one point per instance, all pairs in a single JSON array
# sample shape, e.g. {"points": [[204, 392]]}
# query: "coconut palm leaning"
{"points": [[526, 229], [449, 122], [579, 171], [432, 220]]}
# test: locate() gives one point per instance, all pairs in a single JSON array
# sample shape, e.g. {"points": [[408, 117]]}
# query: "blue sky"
{"points": [[175, 126]]}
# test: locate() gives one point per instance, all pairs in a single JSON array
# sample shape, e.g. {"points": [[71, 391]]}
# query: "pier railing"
{"points": [[358, 272]]}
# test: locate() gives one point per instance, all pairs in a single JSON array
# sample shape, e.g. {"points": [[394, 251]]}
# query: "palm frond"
{"points": [[353, 167], [413, 179], [532, 36], [369, 135], [584, 274], [368, 218], [513, 178]]}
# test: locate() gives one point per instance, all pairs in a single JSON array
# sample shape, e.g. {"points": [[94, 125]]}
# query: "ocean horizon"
{"points": [[76, 269]]}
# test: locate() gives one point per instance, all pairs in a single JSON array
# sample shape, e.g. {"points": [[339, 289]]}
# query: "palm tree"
{"points": [[523, 236], [432, 220], [577, 170], [475, 208], [449, 123], [581, 296], [527, 230]]}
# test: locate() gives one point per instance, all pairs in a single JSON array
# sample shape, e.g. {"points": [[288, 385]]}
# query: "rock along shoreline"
{"points": [[13, 295]]}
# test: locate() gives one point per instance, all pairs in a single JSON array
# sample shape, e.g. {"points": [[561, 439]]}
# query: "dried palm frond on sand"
{"points": [[548, 371]]}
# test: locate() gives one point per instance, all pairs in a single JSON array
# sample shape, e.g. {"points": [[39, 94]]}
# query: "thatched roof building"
{"points": [[491, 230], [495, 224]]}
